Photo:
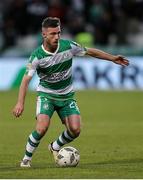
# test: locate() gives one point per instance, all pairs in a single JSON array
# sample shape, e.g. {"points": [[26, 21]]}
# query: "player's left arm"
{"points": [[19, 107], [117, 59]]}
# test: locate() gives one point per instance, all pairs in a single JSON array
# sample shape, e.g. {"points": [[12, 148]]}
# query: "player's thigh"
{"points": [[44, 106], [70, 116], [67, 109], [44, 112]]}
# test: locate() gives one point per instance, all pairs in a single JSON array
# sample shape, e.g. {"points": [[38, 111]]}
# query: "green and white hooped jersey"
{"points": [[55, 69]]}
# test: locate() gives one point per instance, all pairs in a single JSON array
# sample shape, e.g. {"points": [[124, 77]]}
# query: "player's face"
{"points": [[51, 35]]}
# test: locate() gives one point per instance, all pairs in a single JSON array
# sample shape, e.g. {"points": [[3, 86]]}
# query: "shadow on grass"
{"points": [[92, 165], [80, 166], [18, 168], [111, 162]]}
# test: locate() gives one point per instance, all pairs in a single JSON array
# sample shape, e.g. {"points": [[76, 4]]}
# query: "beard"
{"points": [[52, 47]]}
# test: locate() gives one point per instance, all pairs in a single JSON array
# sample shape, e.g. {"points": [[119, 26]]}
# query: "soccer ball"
{"points": [[68, 157]]}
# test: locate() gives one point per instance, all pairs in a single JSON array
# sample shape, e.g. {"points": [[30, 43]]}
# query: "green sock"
{"points": [[32, 144], [63, 139]]}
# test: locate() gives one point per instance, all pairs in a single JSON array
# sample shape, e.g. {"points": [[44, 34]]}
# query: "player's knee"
{"points": [[42, 124], [41, 130], [75, 131]]}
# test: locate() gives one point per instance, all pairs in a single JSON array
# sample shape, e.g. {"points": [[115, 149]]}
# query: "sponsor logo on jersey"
{"points": [[58, 76]]}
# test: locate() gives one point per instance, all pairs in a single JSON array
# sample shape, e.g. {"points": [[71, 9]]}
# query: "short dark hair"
{"points": [[51, 22]]}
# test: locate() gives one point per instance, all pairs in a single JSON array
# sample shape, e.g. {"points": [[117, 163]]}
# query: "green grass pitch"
{"points": [[110, 144]]}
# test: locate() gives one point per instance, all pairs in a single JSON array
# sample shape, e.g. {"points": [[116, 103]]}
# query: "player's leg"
{"points": [[72, 131], [44, 113], [42, 124], [70, 116]]}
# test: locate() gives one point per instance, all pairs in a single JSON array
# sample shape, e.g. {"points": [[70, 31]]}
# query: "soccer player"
{"points": [[53, 63]]}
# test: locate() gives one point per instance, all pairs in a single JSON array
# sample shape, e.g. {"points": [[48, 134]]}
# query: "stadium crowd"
{"points": [[89, 22]]}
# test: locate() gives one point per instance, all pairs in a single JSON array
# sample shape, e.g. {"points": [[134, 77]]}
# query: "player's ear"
{"points": [[43, 34]]}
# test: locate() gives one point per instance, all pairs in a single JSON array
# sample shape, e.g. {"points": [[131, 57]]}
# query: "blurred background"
{"points": [[111, 141], [114, 26], [105, 23]]}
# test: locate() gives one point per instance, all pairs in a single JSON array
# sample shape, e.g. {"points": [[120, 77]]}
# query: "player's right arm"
{"points": [[30, 71], [19, 107]]}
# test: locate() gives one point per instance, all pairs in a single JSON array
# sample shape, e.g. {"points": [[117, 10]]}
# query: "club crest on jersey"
{"points": [[45, 106]]}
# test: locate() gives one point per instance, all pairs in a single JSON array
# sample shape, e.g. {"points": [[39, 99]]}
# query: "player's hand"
{"points": [[121, 60], [18, 109]]}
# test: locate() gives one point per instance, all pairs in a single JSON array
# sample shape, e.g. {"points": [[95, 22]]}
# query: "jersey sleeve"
{"points": [[32, 65], [77, 50]]}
